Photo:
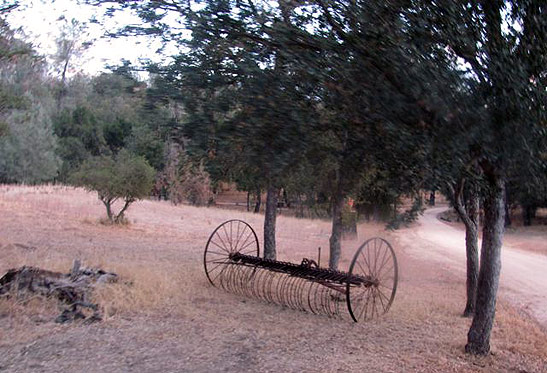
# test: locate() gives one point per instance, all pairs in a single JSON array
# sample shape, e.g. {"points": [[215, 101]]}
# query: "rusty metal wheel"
{"points": [[232, 236], [376, 263]]}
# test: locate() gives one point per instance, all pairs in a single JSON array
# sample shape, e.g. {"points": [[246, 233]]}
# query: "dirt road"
{"points": [[523, 274]]}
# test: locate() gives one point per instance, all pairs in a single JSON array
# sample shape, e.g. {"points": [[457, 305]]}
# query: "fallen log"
{"points": [[73, 290]]}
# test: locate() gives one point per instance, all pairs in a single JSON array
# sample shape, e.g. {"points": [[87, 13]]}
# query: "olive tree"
{"points": [[125, 177]]}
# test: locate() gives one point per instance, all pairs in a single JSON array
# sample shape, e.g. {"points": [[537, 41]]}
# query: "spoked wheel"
{"points": [[376, 264], [232, 236]]}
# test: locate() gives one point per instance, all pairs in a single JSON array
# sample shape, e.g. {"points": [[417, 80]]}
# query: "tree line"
{"points": [[325, 100]]}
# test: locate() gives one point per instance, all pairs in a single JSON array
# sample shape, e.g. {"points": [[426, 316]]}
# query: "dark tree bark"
{"points": [[269, 223], [508, 221], [336, 234], [8, 8], [120, 217], [432, 198], [472, 249], [478, 337], [467, 208], [472, 256], [109, 211], [528, 213], [300, 207], [258, 201], [108, 204], [286, 200], [248, 201], [112, 216]]}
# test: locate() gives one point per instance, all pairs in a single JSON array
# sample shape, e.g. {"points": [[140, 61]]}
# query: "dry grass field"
{"points": [[165, 317]]}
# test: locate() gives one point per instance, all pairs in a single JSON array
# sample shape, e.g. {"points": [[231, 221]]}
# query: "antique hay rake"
{"points": [[232, 262]]}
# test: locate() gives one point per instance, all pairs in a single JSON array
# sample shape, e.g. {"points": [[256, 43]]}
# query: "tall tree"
{"points": [[105, 114], [27, 143], [465, 199], [388, 71], [378, 120], [10, 48], [504, 72], [503, 46], [70, 44], [245, 101]]}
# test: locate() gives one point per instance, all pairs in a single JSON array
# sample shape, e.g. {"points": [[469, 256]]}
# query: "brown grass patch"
{"points": [[164, 316]]}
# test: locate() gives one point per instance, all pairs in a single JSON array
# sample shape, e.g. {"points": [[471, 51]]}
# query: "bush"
{"points": [[349, 222], [27, 149], [126, 176], [196, 185], [407, 216], [184, 180]]}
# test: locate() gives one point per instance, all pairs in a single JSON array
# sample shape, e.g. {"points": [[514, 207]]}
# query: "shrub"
{"points": [[126, 177], [185, 180], [408, 216]]}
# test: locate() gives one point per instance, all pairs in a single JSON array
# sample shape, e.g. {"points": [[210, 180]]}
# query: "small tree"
{"points": [[126, 176]]}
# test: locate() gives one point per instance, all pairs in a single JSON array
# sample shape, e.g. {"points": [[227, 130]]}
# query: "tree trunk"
{"points": [[472, 252], [528, 213], [286, 200], [109, 211], [258, 201], [478, 337], [432, 198], [468, 212], [300, 207], [269, 223], [63, 91], [120, 216], [248, 201], [108, 204], [508, 221], [336, 234]]}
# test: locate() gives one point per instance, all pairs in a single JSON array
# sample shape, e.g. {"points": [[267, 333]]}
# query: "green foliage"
{"points": [[4, 129], [271, 93], [125, 176], [27, 152], [355, 87], [116, 134], [11, 46], [349, 220], [11, 102], [27, 144], [377, 196], [72, 151], [246, 119], [329, 98], [81, 124], [104, 115], [145, 142], [407, 216], [80, 137], [71, 44]]}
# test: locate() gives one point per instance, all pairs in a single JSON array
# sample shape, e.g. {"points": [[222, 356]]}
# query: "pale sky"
{"points": [[40, 21]]}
